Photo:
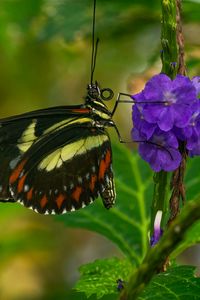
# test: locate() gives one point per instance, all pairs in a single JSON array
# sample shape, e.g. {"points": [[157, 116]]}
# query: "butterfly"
{"points": [[59, 159]]}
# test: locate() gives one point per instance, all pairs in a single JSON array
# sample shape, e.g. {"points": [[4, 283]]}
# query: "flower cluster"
{"points": [[166, 113]]}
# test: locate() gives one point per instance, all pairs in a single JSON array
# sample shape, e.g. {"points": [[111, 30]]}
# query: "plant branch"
{"points": [[180, 40], [158, 254], [177, 182]]}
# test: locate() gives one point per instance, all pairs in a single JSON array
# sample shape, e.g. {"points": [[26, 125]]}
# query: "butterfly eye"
{"points": [[93, 91], [107, 94]]}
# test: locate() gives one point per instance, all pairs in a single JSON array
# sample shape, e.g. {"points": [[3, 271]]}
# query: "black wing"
{"points": [[19, 133], [65, 170]]}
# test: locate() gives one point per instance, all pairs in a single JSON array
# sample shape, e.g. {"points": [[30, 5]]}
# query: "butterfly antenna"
{"points": [[94, 44]]}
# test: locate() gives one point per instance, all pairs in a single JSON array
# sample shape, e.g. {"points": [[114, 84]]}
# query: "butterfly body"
{"points": [[58, 159]]}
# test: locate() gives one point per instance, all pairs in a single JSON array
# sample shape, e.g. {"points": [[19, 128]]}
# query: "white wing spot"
{"points": [[29, 207], [26, 188], [11, 191], [107, 179], [14, 162], [80, 179], [21, 174]]}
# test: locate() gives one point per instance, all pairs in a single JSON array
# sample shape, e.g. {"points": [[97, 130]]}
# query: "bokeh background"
{"points": [[45, 54]]}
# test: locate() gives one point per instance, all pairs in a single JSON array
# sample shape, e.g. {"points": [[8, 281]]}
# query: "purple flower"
{"points": [[196, 83], [120, 284], [165, 113], [145, 128], [191, 133], [160, 151], [196, 148], [174, 101], [157, 229]]}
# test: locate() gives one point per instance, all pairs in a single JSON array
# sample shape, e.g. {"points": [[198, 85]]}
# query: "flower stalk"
{"points": [[169, 52], [160, 198], [177, 184], [170, 60]]}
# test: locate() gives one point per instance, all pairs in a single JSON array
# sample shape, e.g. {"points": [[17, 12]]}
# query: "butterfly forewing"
{"points": [[19, 133]]}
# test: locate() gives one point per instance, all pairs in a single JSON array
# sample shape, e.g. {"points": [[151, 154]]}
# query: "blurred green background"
{"points": [[45, 49]]}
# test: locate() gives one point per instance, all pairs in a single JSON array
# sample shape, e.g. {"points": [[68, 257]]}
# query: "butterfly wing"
{"points": [[65, 169], [19, 133]]}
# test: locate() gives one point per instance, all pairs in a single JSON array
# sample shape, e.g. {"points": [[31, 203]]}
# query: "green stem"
{"points": [[158, 254], [169, 53], [169, 57], [160, 199]]}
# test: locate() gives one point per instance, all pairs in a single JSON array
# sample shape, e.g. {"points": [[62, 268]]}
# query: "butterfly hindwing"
{"points": [[65, 170]]}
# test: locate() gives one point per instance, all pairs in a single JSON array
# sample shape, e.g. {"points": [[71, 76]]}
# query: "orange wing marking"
{"points": [[21, 183], [92, 182], [15, 174], [43, 201], [104, 164], [30, 194], [81, 110], [76, 193], [59, 200]]}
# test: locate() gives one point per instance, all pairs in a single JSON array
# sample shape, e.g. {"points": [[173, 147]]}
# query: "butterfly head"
{"points": [[94, 92], [95, 101]]}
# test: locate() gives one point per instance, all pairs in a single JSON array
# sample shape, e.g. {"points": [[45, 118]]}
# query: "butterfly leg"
{"points": [[114, 109], [121, 101]]}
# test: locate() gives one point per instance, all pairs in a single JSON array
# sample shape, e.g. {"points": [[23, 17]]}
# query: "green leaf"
{"points": [[127, 223], [20, 13], [191, 11], [192, 238], [63, 14], [192, 178], [100, 277], [176, 283]]}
